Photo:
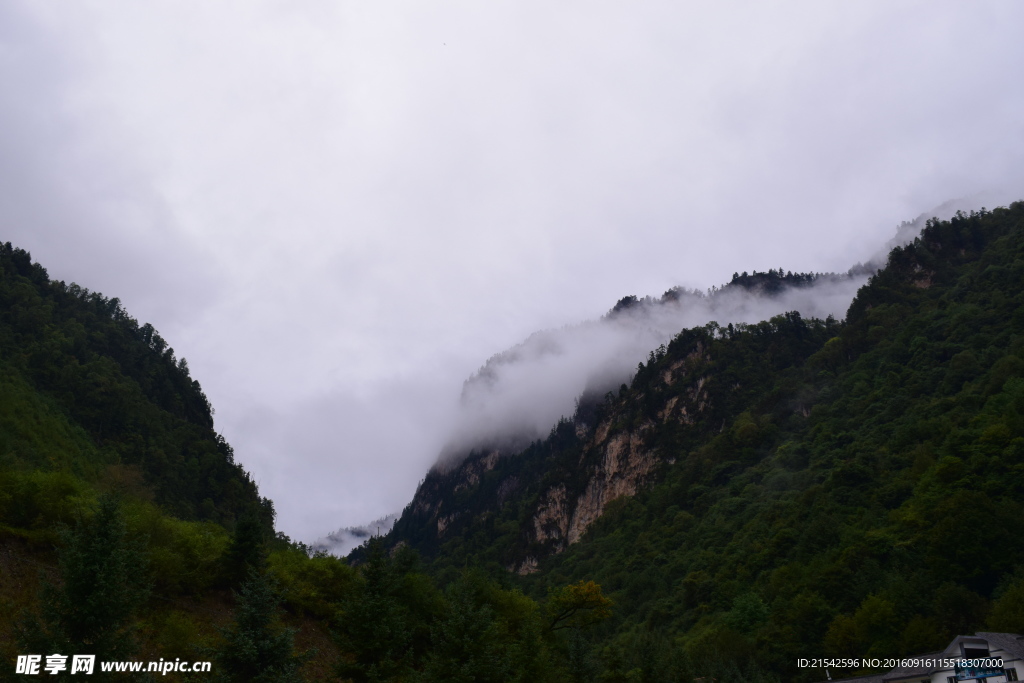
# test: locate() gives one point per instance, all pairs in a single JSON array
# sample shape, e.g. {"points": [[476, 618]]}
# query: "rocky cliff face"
{"points": [[618, 462], [557, 495], [517, 505]]}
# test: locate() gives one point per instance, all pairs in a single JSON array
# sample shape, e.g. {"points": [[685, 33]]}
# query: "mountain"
{"points": [[748, 494], [784, 489], [90, 392], [519, 394], [125, 521], [344, 540], [128, 532]]}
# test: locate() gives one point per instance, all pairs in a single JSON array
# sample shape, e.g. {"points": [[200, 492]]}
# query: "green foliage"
{"points": [[872, 631], [83, 387], [94, 405], [256, 649], [581, 664], [835, 488], [247, 551], [397, 626], [748, 613], [384, 626], [838, 488], [466, 641], [487, 632], [1007, 613], [35, 433], [41, 500], [184, 556], [312, 585], [577, 606], [102, 585], [652, 657], [177, 635]]}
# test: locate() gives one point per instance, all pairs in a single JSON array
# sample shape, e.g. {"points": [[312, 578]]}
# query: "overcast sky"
{"points": [[337, 211]]}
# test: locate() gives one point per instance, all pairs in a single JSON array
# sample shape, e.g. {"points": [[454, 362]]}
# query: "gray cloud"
{"points": [[520, 394], [338, 211], [72, 194], [343, 541]]}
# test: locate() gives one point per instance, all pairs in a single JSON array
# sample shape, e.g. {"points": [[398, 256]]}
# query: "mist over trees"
{"points": [[834, 486], [128, 531], [519, 394], [833, 490]]}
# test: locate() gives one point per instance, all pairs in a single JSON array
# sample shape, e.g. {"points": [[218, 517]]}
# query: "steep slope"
{"points": [[89, 391], [519, 394], [793, 488], [117, 495], [544, 498], [128, 532], [95, 408]]}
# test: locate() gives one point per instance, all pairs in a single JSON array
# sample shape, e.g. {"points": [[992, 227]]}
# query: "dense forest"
{"points": [[757, 493], [847, 488], [87, 391], [127, 531]]}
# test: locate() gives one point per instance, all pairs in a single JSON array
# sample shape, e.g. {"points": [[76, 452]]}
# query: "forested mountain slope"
{"points": [[128, 532], [792, 488], [124, 520], [73, 363], [758, 493]]}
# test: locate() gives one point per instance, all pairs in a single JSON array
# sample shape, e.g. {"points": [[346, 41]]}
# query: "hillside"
{"points": [[128, 532], [786, 489], [756, 493], [90, 392], [124, 520]]}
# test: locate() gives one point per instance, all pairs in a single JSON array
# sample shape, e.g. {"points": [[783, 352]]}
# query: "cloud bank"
{"points": [[518, 395], [337, 211]]}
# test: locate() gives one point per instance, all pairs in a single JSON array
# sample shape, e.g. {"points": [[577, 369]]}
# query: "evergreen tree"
{"points": [[467, 644], [102, 584], [247, 551], [583, 666], [256, 648], [376, 627]]}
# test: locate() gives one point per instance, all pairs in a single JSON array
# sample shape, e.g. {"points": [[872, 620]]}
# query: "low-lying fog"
{"points": [[519, 394]]}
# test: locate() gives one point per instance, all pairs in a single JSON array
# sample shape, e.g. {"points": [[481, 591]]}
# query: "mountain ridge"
{"points": [[637, 325], [756, 493], [848, 472]]}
